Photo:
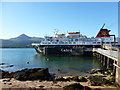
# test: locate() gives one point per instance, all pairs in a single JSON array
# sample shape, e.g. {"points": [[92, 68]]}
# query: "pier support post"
{"points": [[108, 62], [114, 68], [118, 69], [98, 56], [104, 61]]}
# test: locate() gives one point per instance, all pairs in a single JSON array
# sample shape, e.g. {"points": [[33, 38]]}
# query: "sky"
{"points": [[42, 18]]}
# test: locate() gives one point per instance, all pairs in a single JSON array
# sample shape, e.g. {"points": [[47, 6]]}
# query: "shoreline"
{"points": [[59, 82]]}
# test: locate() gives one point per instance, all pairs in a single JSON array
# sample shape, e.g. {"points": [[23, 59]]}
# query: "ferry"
{"points": [[72, 39]]}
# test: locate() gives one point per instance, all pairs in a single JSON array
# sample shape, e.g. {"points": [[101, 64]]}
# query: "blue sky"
{"points": [[41, 18]]}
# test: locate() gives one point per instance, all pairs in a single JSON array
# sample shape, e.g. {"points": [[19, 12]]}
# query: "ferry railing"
{"points": [[67, 43]]}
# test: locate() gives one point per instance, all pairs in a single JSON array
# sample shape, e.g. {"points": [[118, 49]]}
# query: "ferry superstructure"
{"points": [[72, 39], [76, 38]]}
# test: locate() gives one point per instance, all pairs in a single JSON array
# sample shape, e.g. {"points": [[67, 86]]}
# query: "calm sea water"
{"points": [[57, 64]]}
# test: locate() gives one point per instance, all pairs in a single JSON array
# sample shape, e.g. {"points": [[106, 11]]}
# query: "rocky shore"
{"points": [[40, 78]]}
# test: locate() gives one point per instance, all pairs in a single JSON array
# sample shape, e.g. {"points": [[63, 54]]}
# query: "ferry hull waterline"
{"points": [[74, 43]]}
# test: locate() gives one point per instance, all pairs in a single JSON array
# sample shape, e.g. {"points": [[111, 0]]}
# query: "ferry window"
{"points": [[73, 42], [76, 39]]}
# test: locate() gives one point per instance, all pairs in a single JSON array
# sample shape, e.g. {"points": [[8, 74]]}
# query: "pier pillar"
{"points": [[98, 56], [114, 67], [108, 62], [104, 61], [94, 54], [118, 69]]}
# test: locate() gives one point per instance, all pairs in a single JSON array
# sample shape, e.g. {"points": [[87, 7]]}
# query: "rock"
{"points": [[2, 63], [73, 87], [76, 86], [99, 71], [97, 80], [3, 74], [60, 78], [7, 66], [58, 85], [75, 79], [95, 70], [31, 74], [41, 86], [6, 80], [82, 79], [69, 78], [10, 66], [111, 78], [9, 83], [87, 88], [58, 70]]}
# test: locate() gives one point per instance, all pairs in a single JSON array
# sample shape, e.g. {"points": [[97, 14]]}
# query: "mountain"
{"points": [[22, 41], [21, 37], [25, 37]]}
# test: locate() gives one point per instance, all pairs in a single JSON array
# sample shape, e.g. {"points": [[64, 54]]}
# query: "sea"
{"points": [[15, 59]]}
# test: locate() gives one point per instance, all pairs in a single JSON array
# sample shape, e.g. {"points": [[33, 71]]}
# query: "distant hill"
{"points": [[21, 37], [22, 41]]}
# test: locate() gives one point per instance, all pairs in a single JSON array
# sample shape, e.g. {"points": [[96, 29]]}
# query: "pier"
{"points": [[107, 54], [110, 59]]}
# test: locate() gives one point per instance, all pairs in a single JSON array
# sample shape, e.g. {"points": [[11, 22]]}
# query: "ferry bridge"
{"points": [[109, 57]]}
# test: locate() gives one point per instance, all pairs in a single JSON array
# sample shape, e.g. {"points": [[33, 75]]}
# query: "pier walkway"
{"points": [[108, 53]]}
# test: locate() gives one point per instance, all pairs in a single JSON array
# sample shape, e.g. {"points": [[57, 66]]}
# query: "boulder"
{"points": [[73, 87], [31, 74], [97, 80], [76, 86], [95, 70], [3, 74], [75, 79], [82, 79], [100, 71]]}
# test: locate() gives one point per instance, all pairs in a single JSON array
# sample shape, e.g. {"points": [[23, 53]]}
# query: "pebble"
{"points": [[41, 86], [9, 83]]}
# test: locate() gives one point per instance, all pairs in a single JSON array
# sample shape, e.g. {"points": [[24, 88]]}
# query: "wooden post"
{"points": [[104, 61], [108, 64], [101, 61], [114, 67]]}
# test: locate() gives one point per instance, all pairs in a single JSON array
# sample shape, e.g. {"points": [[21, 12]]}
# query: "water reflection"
{"points": [[58, 64], [65, 64]]}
